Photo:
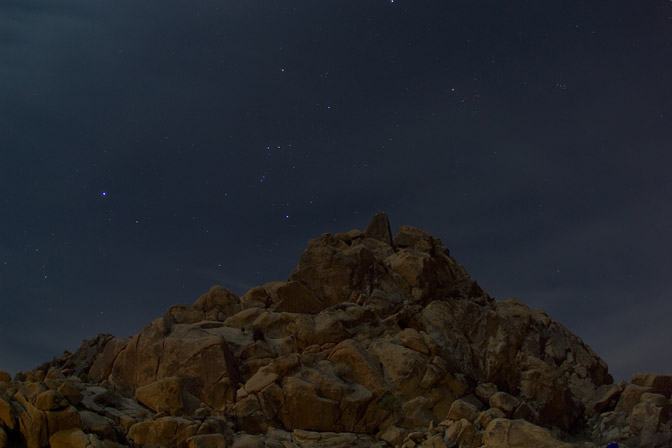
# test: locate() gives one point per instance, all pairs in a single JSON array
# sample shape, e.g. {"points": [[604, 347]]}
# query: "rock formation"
{"points": [[374, 340]]}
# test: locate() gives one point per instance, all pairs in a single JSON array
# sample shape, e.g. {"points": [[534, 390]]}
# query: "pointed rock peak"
{"points": [[379, 228]]}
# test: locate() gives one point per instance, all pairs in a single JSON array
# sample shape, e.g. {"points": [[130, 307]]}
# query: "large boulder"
{"points": [[164, 432], [167, 395], [69, 438], [503, 433], [218, 304], [201, 355]]}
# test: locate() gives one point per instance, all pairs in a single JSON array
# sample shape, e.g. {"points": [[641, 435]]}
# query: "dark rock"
{"points": [[379, 229]]}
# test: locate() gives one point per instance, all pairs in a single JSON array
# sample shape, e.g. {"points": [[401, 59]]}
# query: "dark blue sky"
{"points": [[149, 150]]}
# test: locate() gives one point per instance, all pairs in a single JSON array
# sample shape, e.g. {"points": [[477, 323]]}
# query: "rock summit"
{"points": [[375, 340]]}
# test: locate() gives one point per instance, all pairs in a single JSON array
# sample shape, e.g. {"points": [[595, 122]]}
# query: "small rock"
{"points": [[485, 417]]}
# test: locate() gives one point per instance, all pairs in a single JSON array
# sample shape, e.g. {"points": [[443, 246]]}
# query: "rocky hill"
{"points": [[374, 340]]}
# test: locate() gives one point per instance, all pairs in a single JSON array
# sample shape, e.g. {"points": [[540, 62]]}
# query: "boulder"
{"points": [[207, 441], [218, 304], [101, 426], [463, 434], [411, 237], [504, 401], [102, 366], [461, 409], [417, 413], [7, 413], [183, 314], [292, 297], [660, 384], [630, 397], [605, 398], [503, 433], [485, 390], [362, 368], [32, 422], [201, 356], [648, 416], [67, 418], [311, 439], [164, 432], [139, 431], [260, 380], [71, 392], [379, 229], [304, 408], [334, 271], [394, 435], [165, 395], [248, 441], [50, 400], [69, 438], [403, 367], [485, 417], [544, 389], [410, 338]]}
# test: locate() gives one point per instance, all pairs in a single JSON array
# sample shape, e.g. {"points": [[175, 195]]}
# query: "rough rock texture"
{"points": [[374, 340]]}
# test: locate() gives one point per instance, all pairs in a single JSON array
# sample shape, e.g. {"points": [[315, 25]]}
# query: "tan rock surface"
{"points": [[69, 438], [7, 412], [218, 304], [50, 400], [503, 433], [164, 395], [207, 441], [661, 384]]}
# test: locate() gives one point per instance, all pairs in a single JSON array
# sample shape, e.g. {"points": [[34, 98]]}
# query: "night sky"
{"points": [[150, 150]]}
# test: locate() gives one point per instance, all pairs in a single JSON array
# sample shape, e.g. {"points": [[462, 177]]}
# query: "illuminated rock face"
{"points": [[375, 340]]}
